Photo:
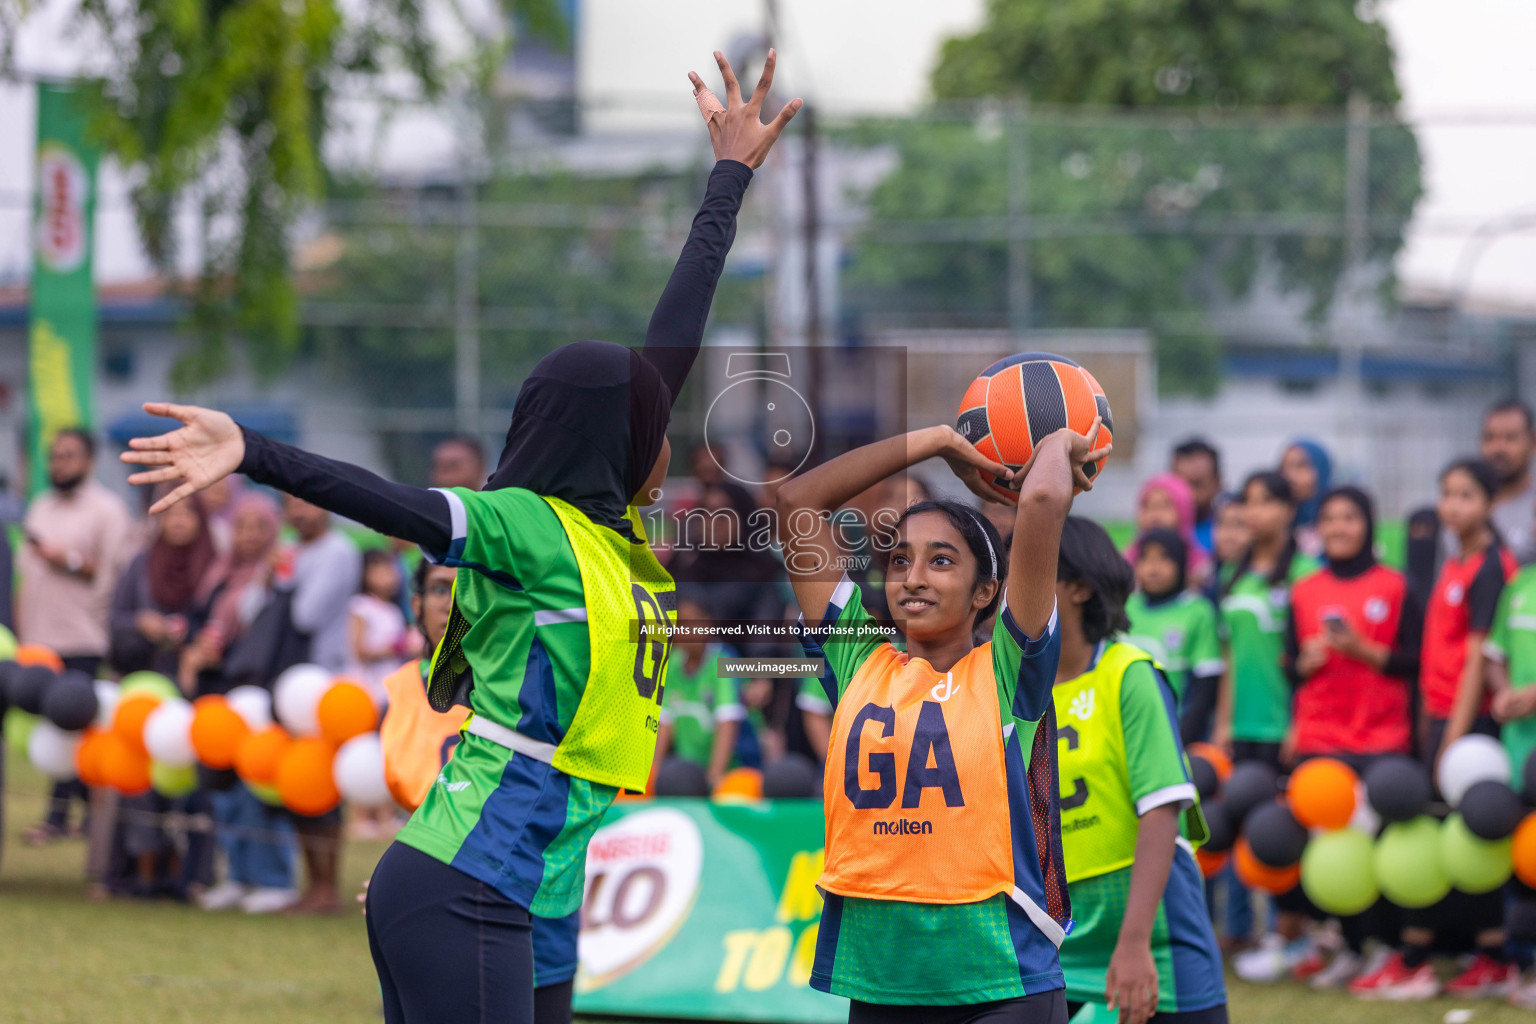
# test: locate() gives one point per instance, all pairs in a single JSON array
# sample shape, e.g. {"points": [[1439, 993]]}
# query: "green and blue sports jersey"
{"points": [[697, 700], [1180, 632], [894, 952], [1150, 772], [1253, 615], [512, 821], [1512, 640]]}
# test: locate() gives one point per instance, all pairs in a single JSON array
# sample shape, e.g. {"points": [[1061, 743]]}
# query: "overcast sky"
{"points": [[1466, 70]]}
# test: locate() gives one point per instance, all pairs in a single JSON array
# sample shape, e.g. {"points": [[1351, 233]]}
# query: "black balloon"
{"points": [[678, 777], [1529, 774], [1274, 835], [1203, 773], [1491, 809], [7, 670], [1218, 821], [1251, 784], [792, 777], [1397, 788], [70, 702], [28, 684]]}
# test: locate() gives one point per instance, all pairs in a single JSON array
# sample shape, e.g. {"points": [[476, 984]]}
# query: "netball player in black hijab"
{"points": [[549, 559]]}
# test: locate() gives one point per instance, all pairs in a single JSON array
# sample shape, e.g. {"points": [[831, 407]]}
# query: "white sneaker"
{"points": [[1338, 974], [224, 896], [269, 901], [1272, 960]]}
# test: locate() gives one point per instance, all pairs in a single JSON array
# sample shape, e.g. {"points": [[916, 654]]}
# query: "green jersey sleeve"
{"points": [[1025, 666], [845, 637], [1203, 640], [1153, 758], [510, 535], [1496, 643], [812, 698]]}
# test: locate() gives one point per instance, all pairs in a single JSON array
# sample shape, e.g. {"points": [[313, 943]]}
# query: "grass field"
{"points": [[65, 960]]}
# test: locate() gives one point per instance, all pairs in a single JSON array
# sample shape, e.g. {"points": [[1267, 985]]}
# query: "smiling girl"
{"points": [[943, 825]]}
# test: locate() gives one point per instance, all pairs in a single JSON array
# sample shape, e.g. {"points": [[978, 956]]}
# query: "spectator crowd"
{"points": [[1284, 633]]}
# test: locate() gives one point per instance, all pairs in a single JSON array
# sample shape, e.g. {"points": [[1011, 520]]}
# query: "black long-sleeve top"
{"points": [[418, 514]]}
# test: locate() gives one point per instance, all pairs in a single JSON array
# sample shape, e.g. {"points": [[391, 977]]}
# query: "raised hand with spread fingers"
{"points": [[736, 127]]}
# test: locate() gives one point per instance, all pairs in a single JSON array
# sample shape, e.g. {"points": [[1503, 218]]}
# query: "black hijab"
{"points": [[589, 423], [1365, 558], [1172, 545]]}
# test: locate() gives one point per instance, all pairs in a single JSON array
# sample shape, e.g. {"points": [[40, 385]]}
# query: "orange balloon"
{"points": [[37, 654], [260, 753], [217, 730], [346, 711], [128, 718], [1214, 754], [740, 784], [1321, 793], [1210, 862], [124, 767], [1523, 850], [88, 757], [1255, 874], [304, 777]]}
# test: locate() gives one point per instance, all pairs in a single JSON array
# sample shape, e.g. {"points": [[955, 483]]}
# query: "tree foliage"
{"points": [[225, 104], [1224, 151]]}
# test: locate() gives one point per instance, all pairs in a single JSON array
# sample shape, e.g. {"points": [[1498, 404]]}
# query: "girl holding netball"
{"points": [[554, 571], [945, 889]]}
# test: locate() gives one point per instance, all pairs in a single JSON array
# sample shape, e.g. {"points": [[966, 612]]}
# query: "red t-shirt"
{"points": [[1349, 707], [1465, 597]]}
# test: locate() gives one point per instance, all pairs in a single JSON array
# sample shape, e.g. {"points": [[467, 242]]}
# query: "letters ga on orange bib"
{"points": [[916, 787]]}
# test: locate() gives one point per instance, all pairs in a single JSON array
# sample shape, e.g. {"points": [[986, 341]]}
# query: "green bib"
{"points": [[1099, 823], [629, 601]]}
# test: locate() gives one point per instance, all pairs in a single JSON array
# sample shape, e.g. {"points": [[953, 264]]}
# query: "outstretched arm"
{"points": [[805, 501], [741, 142], [1045, 498], [209, 446]]}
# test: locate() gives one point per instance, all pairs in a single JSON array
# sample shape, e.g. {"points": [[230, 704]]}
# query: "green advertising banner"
{"points": [[62, 335], [705, 910]]}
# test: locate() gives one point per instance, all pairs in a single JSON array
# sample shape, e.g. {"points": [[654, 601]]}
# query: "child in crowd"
{"points": [[702, 715], [1177, 627], [1165, 502], [1510, 651], [380, 637]]}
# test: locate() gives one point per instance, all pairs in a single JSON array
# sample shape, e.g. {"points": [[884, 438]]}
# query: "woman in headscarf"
{"points": [[1308, 469], [542, 643], [157, 594], [236, 591], [1165, 502]]}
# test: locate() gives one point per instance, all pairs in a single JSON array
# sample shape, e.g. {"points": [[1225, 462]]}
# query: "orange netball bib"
{"points": [[916, 789]]}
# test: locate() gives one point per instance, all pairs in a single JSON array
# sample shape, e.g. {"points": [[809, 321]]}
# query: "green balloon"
{"points": [[172, 780], [266, 794], [7, 644], [1474, 864], [18, 728], [1337, 872], [1408, 866], [148, 682]]}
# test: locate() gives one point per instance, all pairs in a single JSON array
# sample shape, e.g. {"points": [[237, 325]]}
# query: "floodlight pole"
{"points": [[466, 302], [1350, 408]]}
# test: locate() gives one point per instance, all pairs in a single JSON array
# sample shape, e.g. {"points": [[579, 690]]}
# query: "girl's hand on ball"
{"points": [[207, 448], [736, 129], [974, 469], [1080, 452]]}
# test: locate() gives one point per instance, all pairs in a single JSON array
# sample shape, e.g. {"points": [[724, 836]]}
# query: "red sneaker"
{"points": [[1312, 964], [1485, 978], [1397, 981]]}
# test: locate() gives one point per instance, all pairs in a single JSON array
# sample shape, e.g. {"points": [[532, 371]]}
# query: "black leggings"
{"points": [[1041, 1008], [450, 949], [1209, 1015]]}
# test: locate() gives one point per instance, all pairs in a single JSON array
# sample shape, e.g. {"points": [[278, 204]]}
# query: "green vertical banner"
{"points": [[62, 331]]}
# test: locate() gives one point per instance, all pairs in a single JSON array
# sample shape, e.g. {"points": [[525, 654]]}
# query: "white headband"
{"points": [[990, 552]]}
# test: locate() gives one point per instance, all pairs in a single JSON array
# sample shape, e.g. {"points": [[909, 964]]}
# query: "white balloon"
{"points": [[1468, 761], [108, 694], [296, 698], [168, 734], [52, 750], [359, 771], [1365, 818], [253, 704]]}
